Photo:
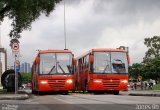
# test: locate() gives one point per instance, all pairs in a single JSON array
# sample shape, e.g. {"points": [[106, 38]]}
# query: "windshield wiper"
{"points": [[69, 68], [61, 68], [107, 66], [51, 70]]}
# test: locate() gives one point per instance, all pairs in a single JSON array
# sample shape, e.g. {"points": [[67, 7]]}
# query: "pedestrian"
{"points": [[142, 85], [151, 85], [145, 85], [135, 85]]}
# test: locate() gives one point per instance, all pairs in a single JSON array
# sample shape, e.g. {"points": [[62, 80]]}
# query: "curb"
{"points": [[14, 97], [140, 94]]}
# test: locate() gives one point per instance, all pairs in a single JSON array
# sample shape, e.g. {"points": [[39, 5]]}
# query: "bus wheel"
{"points": [[90, 91], [34, 92], [65, 93], [40, 92], [116, 92]]}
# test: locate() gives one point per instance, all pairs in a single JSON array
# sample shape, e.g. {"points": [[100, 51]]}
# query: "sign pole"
{"points": [[15, 75], [15, 50]]}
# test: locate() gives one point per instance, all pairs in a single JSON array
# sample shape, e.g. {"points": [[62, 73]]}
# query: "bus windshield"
{"points": [[55, 63], [110, 62]]}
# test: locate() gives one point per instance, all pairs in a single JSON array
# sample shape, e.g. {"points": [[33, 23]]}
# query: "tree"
{"points": [[153, 45], [152, 69], [26, 77], [24, 12], [136, 70]]}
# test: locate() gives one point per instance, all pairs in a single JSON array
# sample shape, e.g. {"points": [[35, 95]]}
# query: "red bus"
{"points": [[103, 70], [53, 70]]}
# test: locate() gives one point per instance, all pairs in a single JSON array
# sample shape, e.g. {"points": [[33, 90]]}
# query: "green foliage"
{"points": [[152, 68], [24, 12], [156, 87], [136, 70], [26, 77], [153, 45]]}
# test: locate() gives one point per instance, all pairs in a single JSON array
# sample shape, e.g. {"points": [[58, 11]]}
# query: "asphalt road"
{"points": [[83, 102]]}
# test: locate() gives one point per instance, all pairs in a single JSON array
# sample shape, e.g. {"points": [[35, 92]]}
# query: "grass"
{"points": [[156, 87]]}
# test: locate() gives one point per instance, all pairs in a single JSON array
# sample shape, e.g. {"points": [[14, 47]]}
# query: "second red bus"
{"points": [[103, 70]]}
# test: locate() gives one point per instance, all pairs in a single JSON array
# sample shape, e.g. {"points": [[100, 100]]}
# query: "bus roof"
{"points": [[101, 50], [54, 50], [107, 49]]}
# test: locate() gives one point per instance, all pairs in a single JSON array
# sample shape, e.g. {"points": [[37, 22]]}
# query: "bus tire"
{"points": [[65, 93], [34, 92], [116, 92]]}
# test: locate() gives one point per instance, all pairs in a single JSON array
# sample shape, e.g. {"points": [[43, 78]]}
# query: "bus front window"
{"points": [[119, 62], [101, 62], [64, 62], [55, 63], [110, 62]]}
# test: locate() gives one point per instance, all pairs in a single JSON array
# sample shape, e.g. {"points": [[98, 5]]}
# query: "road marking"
{"points": [[58, 98]]}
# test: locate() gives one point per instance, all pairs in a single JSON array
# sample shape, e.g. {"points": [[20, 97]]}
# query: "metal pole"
{"points": [[15, 75], [65, 25], [0, 36]]}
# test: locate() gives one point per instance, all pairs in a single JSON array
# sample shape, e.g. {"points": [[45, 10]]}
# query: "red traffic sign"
{"points": [[17, 62], [15, 47]]}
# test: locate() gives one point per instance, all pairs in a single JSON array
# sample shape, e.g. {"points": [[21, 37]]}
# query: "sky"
{"points": [[90, 24]]}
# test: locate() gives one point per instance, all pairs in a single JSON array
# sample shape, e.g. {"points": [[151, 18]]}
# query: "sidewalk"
{"points": [[14, 96], [21, 95], [153, 93]]}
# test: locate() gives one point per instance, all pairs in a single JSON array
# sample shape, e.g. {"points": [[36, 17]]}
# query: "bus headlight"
{"points": [[97, 80], [69, 81], [124, 81], [43, 82]]}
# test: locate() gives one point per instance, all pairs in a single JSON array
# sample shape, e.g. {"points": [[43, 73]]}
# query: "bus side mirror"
{"points": [[74, 61], [37, 60], [91, 58], [128, 59]]}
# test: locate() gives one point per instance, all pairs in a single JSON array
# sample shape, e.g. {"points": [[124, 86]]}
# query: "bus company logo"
{"points": [[111, 80], [56, 80]]}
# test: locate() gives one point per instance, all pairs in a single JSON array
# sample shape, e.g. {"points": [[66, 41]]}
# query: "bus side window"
{"points": [[83, 63], [80, 65], [87, 61], [91, 58]]}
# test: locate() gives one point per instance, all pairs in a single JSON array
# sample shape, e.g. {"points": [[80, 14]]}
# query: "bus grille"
{"points": [[111, 83], [56, 83]]}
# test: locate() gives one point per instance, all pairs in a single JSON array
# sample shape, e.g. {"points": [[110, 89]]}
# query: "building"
{"points": [[3, 61], [25, 67]]}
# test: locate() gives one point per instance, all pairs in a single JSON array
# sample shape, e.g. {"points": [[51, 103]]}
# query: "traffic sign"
{"points": [[139, 78], [17, 65], [15, 48]]}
